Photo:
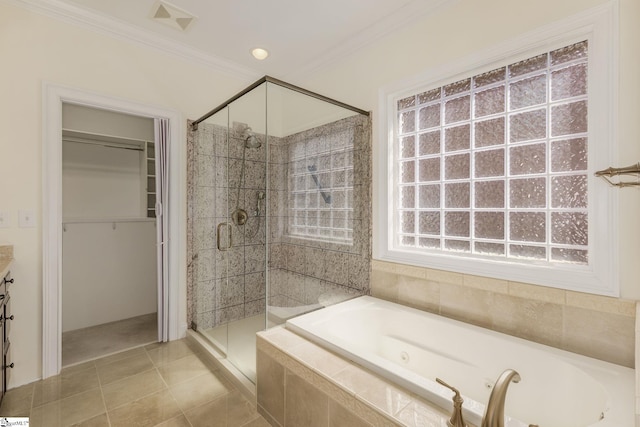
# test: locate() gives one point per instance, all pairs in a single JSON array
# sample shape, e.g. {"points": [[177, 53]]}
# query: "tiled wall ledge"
{"points": [[6, 251], [6, 257], [302, 384], [595, 326]]}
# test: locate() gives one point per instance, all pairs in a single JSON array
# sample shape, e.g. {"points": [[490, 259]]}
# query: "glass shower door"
{"points": [[229, 228], [212, 228], [242, 281], [288, 179]]}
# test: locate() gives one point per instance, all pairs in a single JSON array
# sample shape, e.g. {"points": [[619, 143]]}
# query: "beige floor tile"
{"points": [[120, 356], [100, 421], [163, 353], [64, 385], [67, 370], [132, 388], [17, 402], [121, 369], [127, 389], [182, 370], [200, 390], [148, 411], [258, 422], [96, 341], [179, 421], [69, 411], [239, 409], [231, 409]]}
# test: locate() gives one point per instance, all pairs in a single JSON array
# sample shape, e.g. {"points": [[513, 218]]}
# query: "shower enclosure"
{"points": [[279, 213]]}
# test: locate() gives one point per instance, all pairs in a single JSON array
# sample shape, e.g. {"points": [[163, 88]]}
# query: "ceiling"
{"points": [[300, 35]]}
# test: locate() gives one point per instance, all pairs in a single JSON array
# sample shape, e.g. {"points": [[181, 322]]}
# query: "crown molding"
{"points": [[402, 17], [118, 29]]}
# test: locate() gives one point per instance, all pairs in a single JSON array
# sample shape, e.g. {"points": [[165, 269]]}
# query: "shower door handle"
{"points": [[230, 240]]}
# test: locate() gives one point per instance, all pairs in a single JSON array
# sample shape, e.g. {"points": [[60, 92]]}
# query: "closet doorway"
{"points": [[109, 257], [168, 127]]}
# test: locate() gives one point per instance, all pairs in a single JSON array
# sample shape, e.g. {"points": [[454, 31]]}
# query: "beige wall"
{"points": [[467, 26], [36, 49], [596, 326]]}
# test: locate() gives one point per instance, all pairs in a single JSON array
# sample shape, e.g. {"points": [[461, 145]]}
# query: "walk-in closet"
{"points": [[109, 267]]}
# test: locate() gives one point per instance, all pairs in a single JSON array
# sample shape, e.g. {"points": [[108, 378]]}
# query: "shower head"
{"points": [[250, 139], [253, 142]]}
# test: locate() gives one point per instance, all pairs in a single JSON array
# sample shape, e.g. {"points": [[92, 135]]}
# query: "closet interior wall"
{"points": [[109, 250]]}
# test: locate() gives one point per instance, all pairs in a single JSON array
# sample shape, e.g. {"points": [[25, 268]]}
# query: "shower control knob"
{"points": [[239, 216]]}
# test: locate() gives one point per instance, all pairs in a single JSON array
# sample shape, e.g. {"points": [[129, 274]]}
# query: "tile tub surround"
{"points": [[302, 384], [592, 325]]}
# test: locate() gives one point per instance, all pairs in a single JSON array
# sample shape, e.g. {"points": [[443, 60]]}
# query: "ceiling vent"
{"points": [[171, 15]]}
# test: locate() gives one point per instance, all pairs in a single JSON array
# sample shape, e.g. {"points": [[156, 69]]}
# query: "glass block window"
{"points": [[495, 165], [321, 187]]}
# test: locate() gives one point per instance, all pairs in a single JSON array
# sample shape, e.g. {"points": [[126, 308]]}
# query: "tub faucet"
{"points": [[494, 412], [456, 419]]}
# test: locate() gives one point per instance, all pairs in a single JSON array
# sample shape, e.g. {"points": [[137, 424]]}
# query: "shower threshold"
{"points": [[237, 339], [240, 368]]}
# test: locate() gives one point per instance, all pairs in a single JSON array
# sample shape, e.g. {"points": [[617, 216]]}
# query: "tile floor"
{"points": [[166, 385], [90, 343]]}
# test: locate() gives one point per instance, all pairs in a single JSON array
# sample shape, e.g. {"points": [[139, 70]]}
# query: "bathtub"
{"points": [[411, 348]]}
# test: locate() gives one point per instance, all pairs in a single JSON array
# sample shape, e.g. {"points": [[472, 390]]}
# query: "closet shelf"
{"points": [[105, 220], [101, 138]]}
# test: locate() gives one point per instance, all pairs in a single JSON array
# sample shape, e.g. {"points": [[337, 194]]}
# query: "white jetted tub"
{"points": [[412, 348]]}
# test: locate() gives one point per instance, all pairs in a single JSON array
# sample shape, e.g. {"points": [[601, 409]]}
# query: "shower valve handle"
{"points": [[230, 238]]}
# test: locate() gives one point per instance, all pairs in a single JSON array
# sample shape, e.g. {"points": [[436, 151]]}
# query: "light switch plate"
{"points": [[26, 218], [5, 219]]}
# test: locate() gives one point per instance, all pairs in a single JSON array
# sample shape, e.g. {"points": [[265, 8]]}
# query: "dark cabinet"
{"points": [[5, 325]]}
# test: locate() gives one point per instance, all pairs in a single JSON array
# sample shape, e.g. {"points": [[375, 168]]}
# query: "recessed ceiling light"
{"points": [[259, 53]]}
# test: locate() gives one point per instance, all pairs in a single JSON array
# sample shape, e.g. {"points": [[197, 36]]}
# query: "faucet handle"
{"points": [[453, 389], [456, 419]]}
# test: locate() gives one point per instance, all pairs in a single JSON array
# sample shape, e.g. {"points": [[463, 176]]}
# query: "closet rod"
{"points": [[102, 144], [106, 220]]}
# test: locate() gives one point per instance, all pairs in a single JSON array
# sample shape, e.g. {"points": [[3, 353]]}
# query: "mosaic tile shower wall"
{"points": [[320, 215], [224, 285]]}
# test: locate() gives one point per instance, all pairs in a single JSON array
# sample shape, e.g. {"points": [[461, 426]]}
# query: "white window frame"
{"points": [[599, 26]]}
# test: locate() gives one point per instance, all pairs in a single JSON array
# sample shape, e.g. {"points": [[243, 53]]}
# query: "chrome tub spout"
{"points": [[494, 412]]}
